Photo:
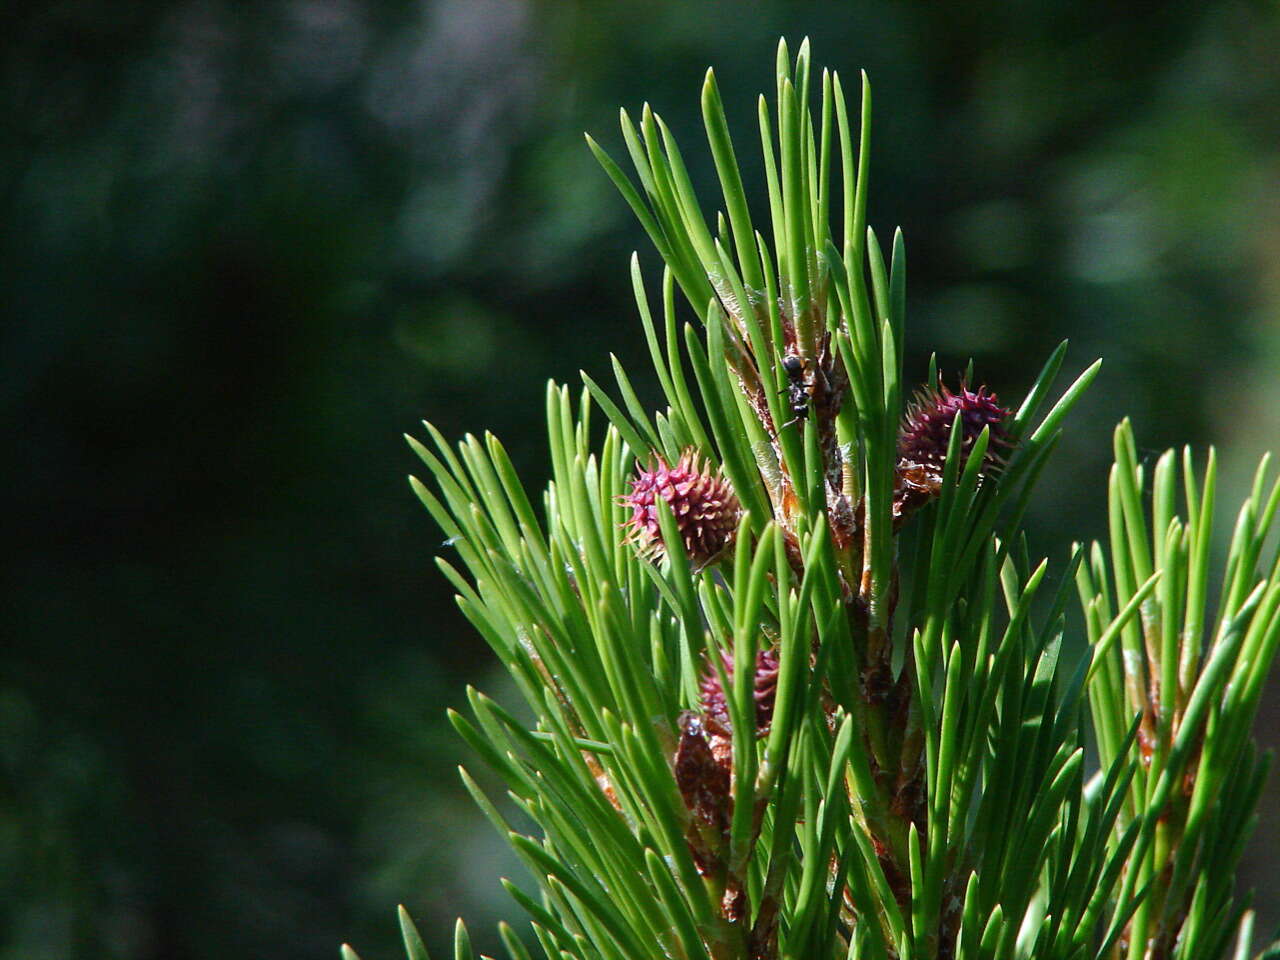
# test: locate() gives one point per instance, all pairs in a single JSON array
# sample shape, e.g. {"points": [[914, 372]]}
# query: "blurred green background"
{"points": [[245, 246]]}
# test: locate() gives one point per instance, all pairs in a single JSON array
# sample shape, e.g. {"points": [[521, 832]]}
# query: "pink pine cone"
{"points": [[716, 707], [926, 434], [702, 501]]}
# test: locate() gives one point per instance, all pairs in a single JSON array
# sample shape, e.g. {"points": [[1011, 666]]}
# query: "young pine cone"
{"points": [[926, 436], [702, 501], [716, 707]]}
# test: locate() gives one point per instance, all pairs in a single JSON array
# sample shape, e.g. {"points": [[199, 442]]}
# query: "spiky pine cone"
{"points": [[702, 501], [926, 435], [716, 707]]}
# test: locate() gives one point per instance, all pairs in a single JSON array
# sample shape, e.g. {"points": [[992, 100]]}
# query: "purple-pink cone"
{"points": [[702, 501], [716, 707], [926, 434]]}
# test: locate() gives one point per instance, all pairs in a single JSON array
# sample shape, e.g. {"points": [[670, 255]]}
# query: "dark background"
{"points": [[245, 246]]}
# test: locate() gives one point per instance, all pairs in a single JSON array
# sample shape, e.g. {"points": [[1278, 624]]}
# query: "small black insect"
{"points": [[797, 390]]}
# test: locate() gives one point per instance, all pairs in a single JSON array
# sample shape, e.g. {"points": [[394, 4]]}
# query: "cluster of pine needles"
{"points": [[800, 689]]}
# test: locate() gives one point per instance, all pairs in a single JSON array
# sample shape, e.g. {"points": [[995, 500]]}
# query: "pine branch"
{"points": [[760, 732]]}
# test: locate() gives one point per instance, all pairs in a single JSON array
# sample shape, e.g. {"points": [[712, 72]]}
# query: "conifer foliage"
{"points": [[929, 755]]}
